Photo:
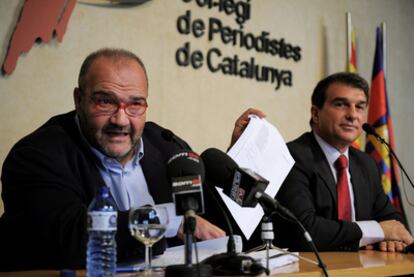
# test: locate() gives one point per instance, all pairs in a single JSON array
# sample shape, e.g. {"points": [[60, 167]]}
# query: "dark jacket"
{"points": [[309, 191], [49, 178]]}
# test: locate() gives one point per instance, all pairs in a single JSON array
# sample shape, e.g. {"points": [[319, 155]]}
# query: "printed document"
{"points": [[262, 149]]}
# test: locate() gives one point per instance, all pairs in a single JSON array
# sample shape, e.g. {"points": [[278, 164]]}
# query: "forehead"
{"points": [[343, 91], [116, 74]]}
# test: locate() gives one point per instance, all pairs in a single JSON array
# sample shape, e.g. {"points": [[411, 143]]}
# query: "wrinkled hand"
{"points": [[242, 122], [388, 246], [204, 230]]}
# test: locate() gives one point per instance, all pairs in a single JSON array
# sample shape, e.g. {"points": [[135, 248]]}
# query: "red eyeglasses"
{"points": [[109, 105]]}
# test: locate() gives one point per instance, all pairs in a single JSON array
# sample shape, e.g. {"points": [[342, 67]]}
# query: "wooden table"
{"points": [[362, 263]]}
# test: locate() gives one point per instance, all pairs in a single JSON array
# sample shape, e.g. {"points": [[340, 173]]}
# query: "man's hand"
{"points": [[387, 246], [396, 237], [395, 231], [204, 230], [242, 122], [391, 246]]}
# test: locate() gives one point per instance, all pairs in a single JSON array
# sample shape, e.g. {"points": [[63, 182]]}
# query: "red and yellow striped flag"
{"points": [[379, 117], [352, 67]]}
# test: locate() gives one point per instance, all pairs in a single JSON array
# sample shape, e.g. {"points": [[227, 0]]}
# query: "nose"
{"points": [[351, 113], [120, 118]]}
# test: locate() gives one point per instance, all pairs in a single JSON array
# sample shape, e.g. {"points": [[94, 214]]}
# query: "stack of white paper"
{"points": [[262, 149], [277, 258], [205, 249]]}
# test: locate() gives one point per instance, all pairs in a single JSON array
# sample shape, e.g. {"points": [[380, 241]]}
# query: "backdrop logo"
{"points": [[213, 58], [39, 20], [54, 15]]}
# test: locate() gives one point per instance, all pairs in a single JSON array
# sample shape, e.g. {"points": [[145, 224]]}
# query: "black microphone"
{"points": [[168, 135], [370, 130], [229, 263], [242, 185], [186, 171], [222, 171]]}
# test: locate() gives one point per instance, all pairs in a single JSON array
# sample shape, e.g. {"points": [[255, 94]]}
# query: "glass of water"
{"points": [[148, 224]]}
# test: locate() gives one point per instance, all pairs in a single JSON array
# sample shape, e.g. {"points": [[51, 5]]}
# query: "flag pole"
{"points": [[348, 40], [384, 46]]}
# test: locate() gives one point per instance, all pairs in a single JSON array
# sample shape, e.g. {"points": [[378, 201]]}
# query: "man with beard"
{"points": [[334, 189], [50, 176]]}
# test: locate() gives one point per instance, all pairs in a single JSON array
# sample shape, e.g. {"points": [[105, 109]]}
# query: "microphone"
{"points": [[242, 185], [168, 135], [186, 171], [370, 130], [246, 188], [224, 172]]}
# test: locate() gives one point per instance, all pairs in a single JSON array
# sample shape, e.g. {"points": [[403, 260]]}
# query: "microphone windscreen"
{"points": [[185, 163], [369, 129], [219, 167]]}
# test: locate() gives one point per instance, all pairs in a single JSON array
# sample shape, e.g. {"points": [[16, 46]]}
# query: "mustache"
{"points": [[117, 128]]}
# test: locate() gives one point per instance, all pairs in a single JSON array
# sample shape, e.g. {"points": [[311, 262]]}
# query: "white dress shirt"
{"points": [[371, 230]]}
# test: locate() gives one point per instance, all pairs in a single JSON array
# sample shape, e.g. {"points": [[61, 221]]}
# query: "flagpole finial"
{"points": [[384, 45]]}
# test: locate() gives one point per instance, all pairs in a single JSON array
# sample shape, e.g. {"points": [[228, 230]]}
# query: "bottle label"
{"points": [[102, 221]]}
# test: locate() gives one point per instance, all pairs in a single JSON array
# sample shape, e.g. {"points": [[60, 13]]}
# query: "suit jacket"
{"points": [[309, 191], [49, 178]]}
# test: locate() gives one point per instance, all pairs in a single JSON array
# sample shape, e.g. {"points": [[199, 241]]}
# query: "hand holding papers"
{"points": [[262, 149]]}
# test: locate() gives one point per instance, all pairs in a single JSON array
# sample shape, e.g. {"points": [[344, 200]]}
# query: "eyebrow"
{"points": [[102, 92], [110, 93], [344, 99]]}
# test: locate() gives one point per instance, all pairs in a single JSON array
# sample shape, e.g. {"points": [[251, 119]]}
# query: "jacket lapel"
{"points": [[358, 182], [322, 168], [155, 172]]}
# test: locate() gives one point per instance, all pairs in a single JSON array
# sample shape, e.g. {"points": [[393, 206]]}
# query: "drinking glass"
{"points": [[148, 224]]}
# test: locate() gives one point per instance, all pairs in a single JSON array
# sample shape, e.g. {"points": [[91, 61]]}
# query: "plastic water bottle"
{"points": [[101, 248]]}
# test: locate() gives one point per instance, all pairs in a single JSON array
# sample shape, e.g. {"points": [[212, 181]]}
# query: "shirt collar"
{"points": [[331, 153]]}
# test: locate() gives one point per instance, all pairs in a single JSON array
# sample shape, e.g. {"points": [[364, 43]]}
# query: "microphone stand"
{"points": [[187, 269], [231, 263], [381, 140], [271, 206], [189, 229], [267, 236], [371, 131]]}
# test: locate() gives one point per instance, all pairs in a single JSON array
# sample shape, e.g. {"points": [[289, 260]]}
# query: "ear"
{"points": [[315, 114], [77, 98]]}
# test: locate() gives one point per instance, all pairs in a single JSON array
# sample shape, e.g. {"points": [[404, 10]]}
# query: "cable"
{"points": [[405, 191], [231, 245], [307, 237], [398, 161], [370, 130]]}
